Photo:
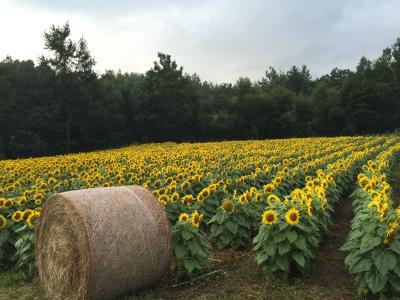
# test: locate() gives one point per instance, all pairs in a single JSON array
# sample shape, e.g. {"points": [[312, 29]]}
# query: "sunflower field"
{"points": [[275, 197]]}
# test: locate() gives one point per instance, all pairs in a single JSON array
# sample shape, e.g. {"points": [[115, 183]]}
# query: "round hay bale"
{"points": [[102, 242]]}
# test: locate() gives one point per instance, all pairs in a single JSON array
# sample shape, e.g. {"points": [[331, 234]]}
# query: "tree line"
{"points": [[61, 105]]}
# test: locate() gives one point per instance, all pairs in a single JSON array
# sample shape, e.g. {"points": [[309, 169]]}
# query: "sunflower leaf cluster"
{"points": [[373, 243]]}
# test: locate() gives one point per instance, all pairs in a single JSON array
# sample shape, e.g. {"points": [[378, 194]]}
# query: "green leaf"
{"points": [[389, 260], [283, 225], [279, 237], [260, 258], [363, 265], [312, 240], [368, 244], [21, 229], [189, 265], [216, 230], [304, 228], [355, 234], [3, 236], [369, 227], [283, 263], [179, 251], [270, 249], [299, 258], [195, 249], [187, 235], [395, 282], [350, 245], [283, 248], [376, 281], [301, 243], [291, 235], [394, 246], [233, 227]]}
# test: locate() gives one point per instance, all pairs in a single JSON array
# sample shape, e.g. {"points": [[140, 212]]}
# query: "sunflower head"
{"points": [[292, 216], [196, 219], [248, 196], [185, 185], [310, 184], [17, 216], [174, 197], [242, 199], [32, 219], [228, 206], [205, 193], [272, 199], [183, 217], [257, 197], [8, 203], [188, 199], [163, 200], [269, 217], [268, 188], [27, 213], [3, 222], [277, 180], [172, 189], [363, 181]]}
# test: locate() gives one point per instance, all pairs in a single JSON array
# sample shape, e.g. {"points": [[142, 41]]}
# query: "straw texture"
{"points": [[99, 243]]}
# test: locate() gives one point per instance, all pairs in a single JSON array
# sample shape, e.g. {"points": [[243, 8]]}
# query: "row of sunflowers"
{"points": [[274, 195], [373, 243]]}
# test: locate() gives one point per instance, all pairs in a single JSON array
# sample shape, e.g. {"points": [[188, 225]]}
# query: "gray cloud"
{"points": [[222, 40]]}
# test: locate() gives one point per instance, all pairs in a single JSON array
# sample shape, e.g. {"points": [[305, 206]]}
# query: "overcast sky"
{"points": [[220, 40]]}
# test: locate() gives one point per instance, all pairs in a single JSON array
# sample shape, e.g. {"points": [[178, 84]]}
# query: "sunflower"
{"points": [[27, 213], [188, 199], [3, 222], [185, 185], [257, 198], [268, 188], [309, 210], [22, 201], [2, 202], [292, 216], [172, 189], [277, 180], [363, 181], [269, 217], [8, 203], [205, 193], [17, 216], [310, 185], [163, 200], [183, 217], [248, 196], [174, 197], [228, 206], [200, 198], [31, 221], [272, 199], [242, 199], [196, 219]]}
